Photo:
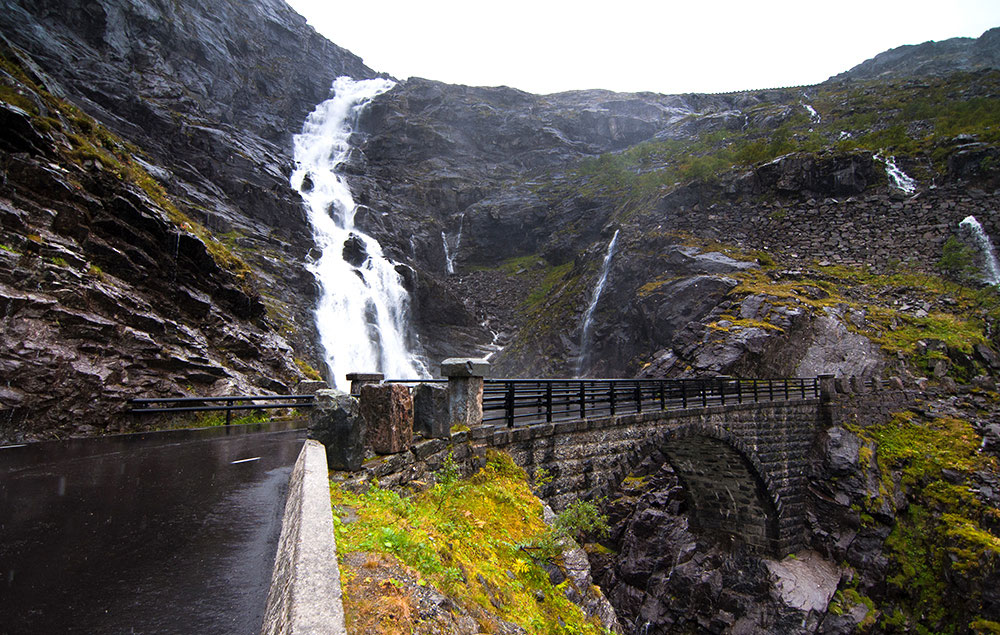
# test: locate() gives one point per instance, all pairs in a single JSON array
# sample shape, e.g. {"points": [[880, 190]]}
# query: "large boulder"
{"points": [[430, 411], [387, 410], [335, 422]]}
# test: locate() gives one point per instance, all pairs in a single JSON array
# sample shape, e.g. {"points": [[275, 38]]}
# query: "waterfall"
{"points": [[900, 179], [588, 315], [363, 310], [992, 272], [450, 251], [814, 116]]}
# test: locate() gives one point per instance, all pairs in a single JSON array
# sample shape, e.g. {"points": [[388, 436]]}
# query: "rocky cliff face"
{"points": [[500, 203], [519, 196], [930, 59], [146, 154]]}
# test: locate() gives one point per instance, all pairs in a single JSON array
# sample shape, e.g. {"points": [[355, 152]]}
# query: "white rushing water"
{"points": [[588, 315], [363, 311], [452, 249], [813, 115], [991, 274], [899, 178]]}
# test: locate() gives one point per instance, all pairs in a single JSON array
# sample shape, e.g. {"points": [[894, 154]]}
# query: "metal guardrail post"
{"points": [[611, 398], [548, 402], [785, 381], [770, 390], [229, 413], [704, 395], [583, 400], [509, 403], [722, 392], [663, 396], [739, 391], [755, 391]]}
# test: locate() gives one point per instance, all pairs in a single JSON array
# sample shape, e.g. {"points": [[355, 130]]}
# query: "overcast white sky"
{"points": [[546, 46]]}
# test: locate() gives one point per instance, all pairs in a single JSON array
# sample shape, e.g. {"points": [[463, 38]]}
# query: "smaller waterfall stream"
{"points": [[588, 315], [452, 250], [991, 273], [901, 180]]}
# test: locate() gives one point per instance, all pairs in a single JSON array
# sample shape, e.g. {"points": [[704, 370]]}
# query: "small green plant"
{"points": [[449, 474], [96, 271], [308, 370], [581, 519], [958, 261], [542, 478], [59, 261]]}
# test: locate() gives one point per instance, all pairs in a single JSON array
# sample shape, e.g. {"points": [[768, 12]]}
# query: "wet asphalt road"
{"points": [[170, 532]]}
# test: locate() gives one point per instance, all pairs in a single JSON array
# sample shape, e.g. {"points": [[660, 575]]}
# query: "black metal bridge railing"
{"points": [[516, 401], [164, 405], [520, 401]]}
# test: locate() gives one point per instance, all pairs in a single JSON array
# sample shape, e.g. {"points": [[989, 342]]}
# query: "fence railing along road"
{"points": [[516, 401], [522, 401]]}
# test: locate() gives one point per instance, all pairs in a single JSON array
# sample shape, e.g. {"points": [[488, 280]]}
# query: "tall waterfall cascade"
{"points": [[991, 272], [588, 315], [363, 311]]}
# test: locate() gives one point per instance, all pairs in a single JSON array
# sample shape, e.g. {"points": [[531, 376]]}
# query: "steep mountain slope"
{"points": [[960, 54], [146, 155], [524, 202], [517, 194]]}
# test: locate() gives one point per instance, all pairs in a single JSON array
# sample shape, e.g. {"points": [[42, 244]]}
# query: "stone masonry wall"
{"points": [[589, 458], [879, 230]]}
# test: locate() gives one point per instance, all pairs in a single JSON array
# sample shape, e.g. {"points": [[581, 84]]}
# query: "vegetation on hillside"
{"points": [[481, 541], [919, 119], [85, 143], [946, 541]]}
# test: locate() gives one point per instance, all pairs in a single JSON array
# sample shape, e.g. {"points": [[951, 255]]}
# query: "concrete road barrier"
{"points": [[305, 594]]}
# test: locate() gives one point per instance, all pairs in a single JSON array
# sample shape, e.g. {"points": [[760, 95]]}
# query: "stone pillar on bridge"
{"points": [[361, 379], [827, 388], [465, 390]]}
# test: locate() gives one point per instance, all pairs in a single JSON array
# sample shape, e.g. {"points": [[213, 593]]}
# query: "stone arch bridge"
{"points": [[741, 448]]}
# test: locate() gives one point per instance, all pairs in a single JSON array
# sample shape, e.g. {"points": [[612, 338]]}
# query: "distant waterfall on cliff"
{"points": [[991, 274], [363, 311], [588, 315], [452, 250], [901, 180]]}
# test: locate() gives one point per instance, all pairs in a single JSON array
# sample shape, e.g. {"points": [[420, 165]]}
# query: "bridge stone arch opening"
{"points": [[744, 466], [729, 501]]}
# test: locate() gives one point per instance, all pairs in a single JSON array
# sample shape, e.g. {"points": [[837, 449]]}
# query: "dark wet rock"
{"points": [[834, 175], [211, 93], [430, 411], [335, 421], [355, 251], [387, 410]]}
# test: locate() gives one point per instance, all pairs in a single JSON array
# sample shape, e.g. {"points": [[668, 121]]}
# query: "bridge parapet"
{"points": [[744, 459]]}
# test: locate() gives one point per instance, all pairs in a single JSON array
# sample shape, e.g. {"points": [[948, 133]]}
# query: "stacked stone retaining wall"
{"points": [[764, 471], [880, 230]]}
